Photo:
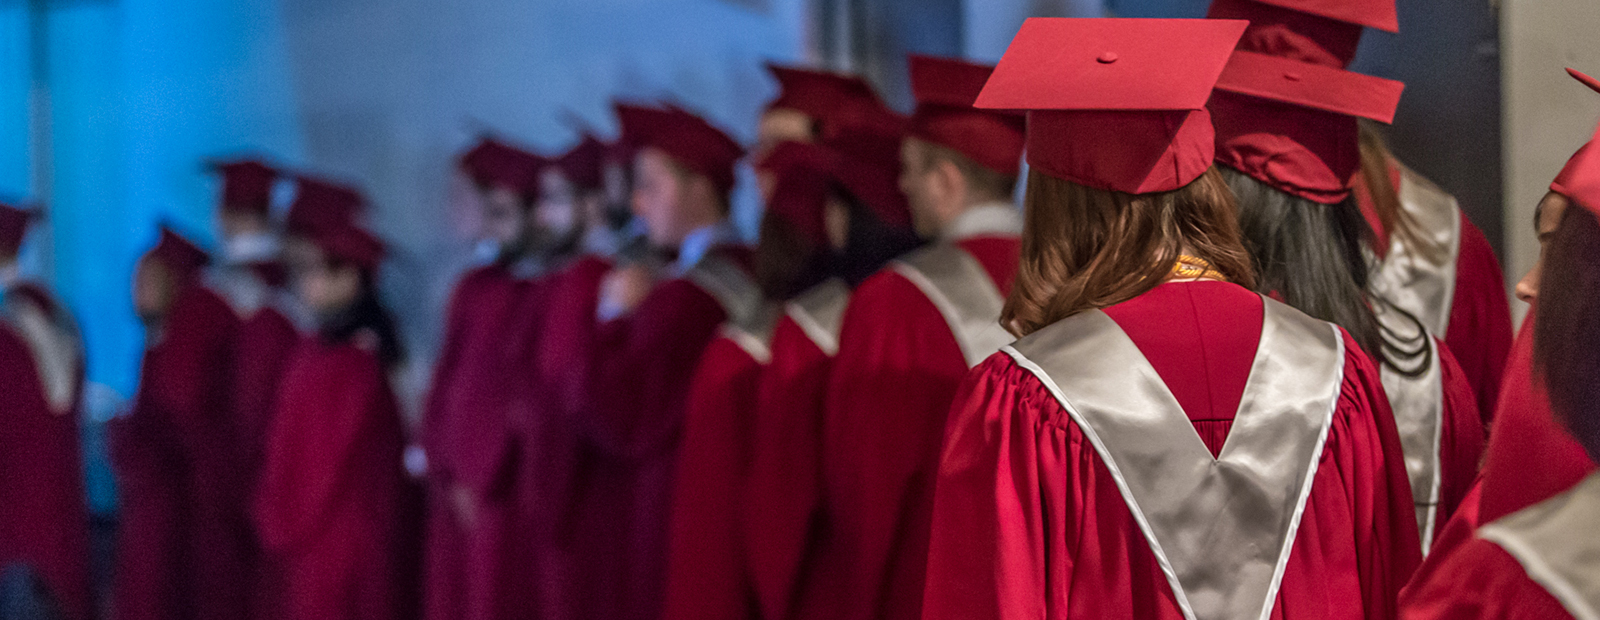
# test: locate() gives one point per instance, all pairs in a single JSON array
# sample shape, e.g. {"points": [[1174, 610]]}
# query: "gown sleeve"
{"points": [[1480, 318], [1484, 583], [444, 370], [641, 366], [1461, 443]]}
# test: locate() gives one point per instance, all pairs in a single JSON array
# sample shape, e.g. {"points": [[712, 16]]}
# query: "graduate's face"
{"points": [[928, 187], [664, 198], [558, 212], [505, 219], [152, 291], [326, 288], [779, 126], [1546, 221]]}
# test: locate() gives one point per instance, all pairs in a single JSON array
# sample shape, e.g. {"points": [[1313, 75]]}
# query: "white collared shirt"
{"points": [[987, 219]]}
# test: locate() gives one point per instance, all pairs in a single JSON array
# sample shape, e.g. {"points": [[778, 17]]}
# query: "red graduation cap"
{"points": [[345, 242], [818, 94], [1296, 29], [583, 163], [945, 89], [14, 221], [494, 163], [319, 203], [1115, 104], [685, 137], [866, 165], [181, 257], [1569, 182], [246, 185], [1292, 124]]}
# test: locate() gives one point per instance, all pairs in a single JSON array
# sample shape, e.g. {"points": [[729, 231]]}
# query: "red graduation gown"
{"points": [[45, 522], [785, 481], [1479, 331], [707, 578], [178, 549], [547, 397], [890, 389], [469, 444], [635, 394], [332, 503], [1461, 440], [1485, 583], [1530, 458], [1029, 523]]}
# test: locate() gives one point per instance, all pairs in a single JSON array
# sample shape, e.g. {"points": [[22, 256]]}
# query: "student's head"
{"points": [[1547, 218], [673, 200], [336, 268], [244, 205], [940, 184], [779, 125], [1567, 327], [154, 289], [1085, 248]]}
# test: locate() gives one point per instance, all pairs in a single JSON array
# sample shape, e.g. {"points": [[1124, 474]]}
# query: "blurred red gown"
{"points": [[267, 338], [1479, 328], [1461, 440], [782, 504], [1030, 524], [179, 473], [707, 574], [635, 393], [548, 397], [332, 504], [45, 522], [889, 392], [470, 444], [1530, 458]]}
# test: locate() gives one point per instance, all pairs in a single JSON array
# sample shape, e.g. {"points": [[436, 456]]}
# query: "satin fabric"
{"points": [[179, 549], [634, 394], [897, 370], [1529, 459], [1029, 523], [1485, 583], [333, 500], [45, 523], [707, 574]]}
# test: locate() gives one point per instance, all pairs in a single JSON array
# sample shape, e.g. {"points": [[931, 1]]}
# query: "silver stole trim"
{"points": [[1422, 279], [963, 292], [820, 313], [1221, 528], [245, 293], [730, 285], [1418, 404], [1555, 543], [754, 336], [55, 347]]}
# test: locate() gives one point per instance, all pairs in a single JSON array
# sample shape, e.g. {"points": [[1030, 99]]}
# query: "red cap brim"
{"points": [[1312, 86]]}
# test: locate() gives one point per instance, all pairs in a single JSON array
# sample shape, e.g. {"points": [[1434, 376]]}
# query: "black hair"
{"points": [[1310, 256], [366, 314], [788, 264], [870, 244], [1566, 330]]}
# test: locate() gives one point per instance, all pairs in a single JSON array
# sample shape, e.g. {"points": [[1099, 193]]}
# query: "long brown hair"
{"points": [[1375, 158], [1086, 248], [1566, 332]]}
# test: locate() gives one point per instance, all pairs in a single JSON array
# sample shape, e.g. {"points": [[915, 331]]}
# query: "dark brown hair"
{"points": [[1086, 248], [982, 180], [1375, 159], [1567, 326]]}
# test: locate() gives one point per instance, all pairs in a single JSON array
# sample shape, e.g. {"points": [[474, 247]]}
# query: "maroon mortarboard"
{"points": [[1569, 182], [583, 164], [791, 154], [246, 185], [817, 94], [688, 139], [945, 89], [1295, 29], [181, 257], [493, 163], [14, 222], [318, 203], [869, 167], [1292, 124], [1115, 104], [346, 242], [800, 199]]}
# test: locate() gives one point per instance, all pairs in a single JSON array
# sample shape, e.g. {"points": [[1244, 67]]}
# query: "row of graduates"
{"points": [[811, 429]]}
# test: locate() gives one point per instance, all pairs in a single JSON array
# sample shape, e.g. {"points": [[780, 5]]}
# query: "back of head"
{"points": [[1085, 248], [1567, 329]]}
